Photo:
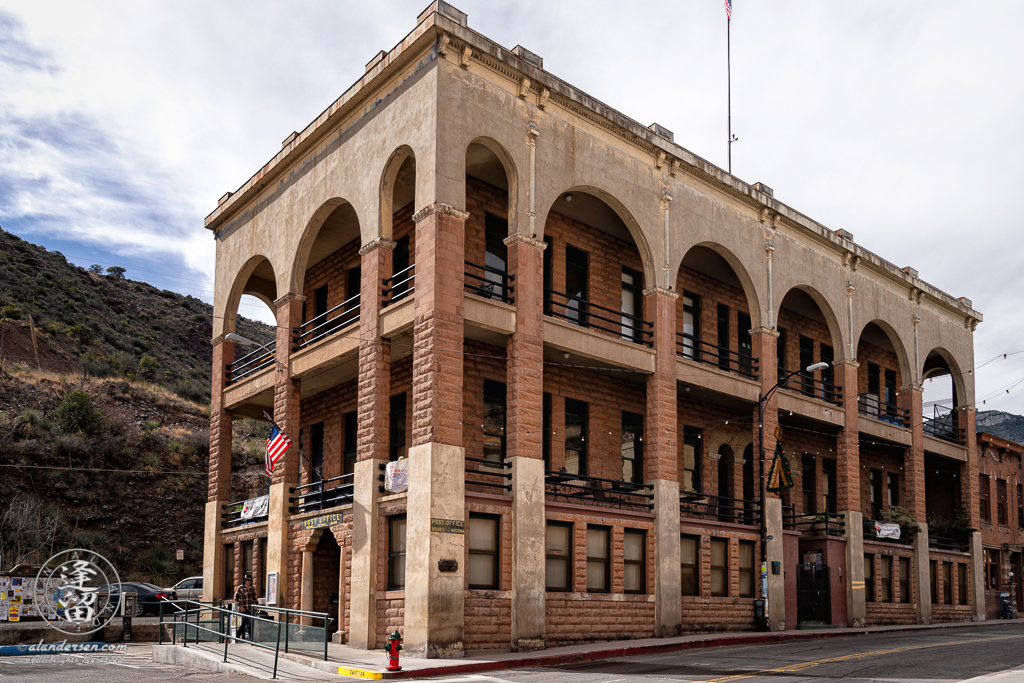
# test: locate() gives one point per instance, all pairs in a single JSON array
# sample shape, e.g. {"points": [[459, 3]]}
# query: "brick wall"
{"points": [[711, 292], [705, 612], [481, 199], [390, 604], [886, 360], [942, 612], [328, 407], [333, 272], [998, 464], [887, 460], [489, 612], [795, 326], [797, 443], [880, 613]]}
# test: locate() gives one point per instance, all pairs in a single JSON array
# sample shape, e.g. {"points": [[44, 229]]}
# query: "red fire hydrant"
{"points": [[392, 647]]}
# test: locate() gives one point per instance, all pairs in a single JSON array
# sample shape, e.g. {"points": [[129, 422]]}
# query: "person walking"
{"points": [[245, 597]]}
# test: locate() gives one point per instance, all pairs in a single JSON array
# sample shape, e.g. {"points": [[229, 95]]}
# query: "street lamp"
{"points": [[761, 400]]}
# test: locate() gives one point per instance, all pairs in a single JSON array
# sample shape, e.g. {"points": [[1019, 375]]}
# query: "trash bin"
{"points": [[760, 618]]}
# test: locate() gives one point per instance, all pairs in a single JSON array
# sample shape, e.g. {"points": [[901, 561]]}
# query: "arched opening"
{"points": [[807, 335], [594, 267], [943, 386], [490, 200], [881, 374], [327, 579], [252, 296], [327, 272], [397, 205], [713, 311]]}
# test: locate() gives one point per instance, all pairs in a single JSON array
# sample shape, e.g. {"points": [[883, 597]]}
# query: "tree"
{"points": [[28, 530], [116, 271], [147, 364], [96, 268]]}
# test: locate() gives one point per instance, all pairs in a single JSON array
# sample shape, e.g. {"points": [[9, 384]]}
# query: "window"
{"points": [[264, 569], [720, 567], [869, 578], [894, 488], [780, 354], [933, 568], [807, 482], [905, 579], [874, 381], [247, 550], [986, 513], [1001, 513], [890, 393], [828, 375], [546, 437], [355, 283], [746, 344], [876, 493], [599, 559], [575, 436], [691, 326], [351, 441], [549, 273], [399, 263], [632, 447], [396, 553], [746, 569], [829, 497], [886, 578], [690, 560], [1020, 506], [806, 359], [484, 560], [495, 256], [947, 583], [319, 302], [632, 285], [991, 569], [723, 336], [316, 454], [961, 571], [494, 421], [229, 570], [397, 427], [576, 277], [634, 561], [691, 459], [558, 564]]}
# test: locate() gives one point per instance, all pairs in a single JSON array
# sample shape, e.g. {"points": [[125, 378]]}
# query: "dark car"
{"points": [[148, 599]]}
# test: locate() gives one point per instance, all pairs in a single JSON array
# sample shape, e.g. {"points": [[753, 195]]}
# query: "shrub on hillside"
{"points": [[82, 332], [76, 414], [11, 311], [147, 364], [197, 392]]}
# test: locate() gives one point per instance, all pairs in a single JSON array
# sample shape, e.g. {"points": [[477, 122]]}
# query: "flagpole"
{"points": [[728, 66]]}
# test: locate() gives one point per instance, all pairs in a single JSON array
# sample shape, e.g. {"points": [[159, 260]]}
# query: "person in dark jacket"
{"points": [[245, 598]]}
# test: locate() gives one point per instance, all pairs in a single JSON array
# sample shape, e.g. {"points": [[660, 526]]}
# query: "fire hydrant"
{"points": [[392, 647]]}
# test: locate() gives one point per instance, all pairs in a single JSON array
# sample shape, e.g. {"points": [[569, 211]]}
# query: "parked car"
{"points": [[149, 597], [188, 589]]}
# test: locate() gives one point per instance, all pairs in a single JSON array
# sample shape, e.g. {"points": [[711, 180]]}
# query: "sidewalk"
{"points": [[357, 663]]}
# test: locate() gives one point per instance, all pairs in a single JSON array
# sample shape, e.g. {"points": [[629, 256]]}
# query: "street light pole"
{"points": [[762, 399]]}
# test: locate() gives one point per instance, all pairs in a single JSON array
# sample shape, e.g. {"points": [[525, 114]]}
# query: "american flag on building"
{"points": [[277, 444], [728, 9]]}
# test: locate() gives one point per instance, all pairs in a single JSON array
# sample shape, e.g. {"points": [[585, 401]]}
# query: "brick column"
{"points": [[661, 461], [764, 342], [913, 459], [848, 440], [374, 393], [434, 613], [524, 442], [219, 488], [969, 496]]}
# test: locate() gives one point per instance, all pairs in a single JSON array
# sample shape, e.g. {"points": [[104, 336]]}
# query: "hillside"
{"points": [[1005, 425]]}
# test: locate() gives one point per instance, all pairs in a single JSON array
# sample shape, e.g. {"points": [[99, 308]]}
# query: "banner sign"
{"points": [[321, 521], [887, 530], [256, 507], [396, 476], [447, 526]]}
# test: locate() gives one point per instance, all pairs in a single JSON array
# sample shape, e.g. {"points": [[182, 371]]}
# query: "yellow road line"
{"points": [[800, 666]]}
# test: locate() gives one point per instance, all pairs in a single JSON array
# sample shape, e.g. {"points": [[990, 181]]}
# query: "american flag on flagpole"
{"points": [[277, 444], [728, 9]]}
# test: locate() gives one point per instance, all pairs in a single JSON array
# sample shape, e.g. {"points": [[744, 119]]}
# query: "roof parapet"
{"points": [[526, 55], [662, 131], [447, 10]]}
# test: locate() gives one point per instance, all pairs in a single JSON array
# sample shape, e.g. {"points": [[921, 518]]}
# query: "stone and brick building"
{"points": [[1000, 494], [565, 320]]}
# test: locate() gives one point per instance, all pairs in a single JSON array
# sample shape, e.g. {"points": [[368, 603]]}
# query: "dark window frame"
{"points": [[723, 569], [984, 491], [692, 436], [577, 414], [747, 571], [394, 554], [885, 578], [947, 583], [642, 562], [633, 327], [633, 448], [961, 575], [869, 577], [904, 568], [398, 426], [1002, 514], [690, 569], [606, 561], [567, 559], [495, 399], [495, 583]]}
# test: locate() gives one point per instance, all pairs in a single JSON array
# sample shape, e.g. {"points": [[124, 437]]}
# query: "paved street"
{"points": [[915, 657]]}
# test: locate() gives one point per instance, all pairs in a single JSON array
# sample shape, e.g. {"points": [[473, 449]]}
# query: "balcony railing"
{"points": [[814, 524], [489, 474], [323, 494], [809, 386], [251, 363], [493, 284], [342, 315], [399, 285], [869, 533], [719, 508], [947, 541], [945, 428], [231, 515], [872, 406], [577, 488], [689, 346], [579, 311]]}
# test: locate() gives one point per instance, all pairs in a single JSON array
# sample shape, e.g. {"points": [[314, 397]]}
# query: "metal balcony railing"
{"points": [[816, 524], [490, 474], [689, 346], [399, 286], [579, 311], [493, 284], [948, 541], [587, 490], [250, 364], [342, 315], [320, 495], [694, 505], [809, 386], [945, 428], [231, 515], [871, 406]]}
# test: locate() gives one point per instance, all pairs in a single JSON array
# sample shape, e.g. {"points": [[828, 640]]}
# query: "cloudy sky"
{"points": [[121, 123]]}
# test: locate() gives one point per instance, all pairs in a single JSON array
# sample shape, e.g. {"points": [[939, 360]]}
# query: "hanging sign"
{"points": [[396, 476], [887, 530], [256, 507]]}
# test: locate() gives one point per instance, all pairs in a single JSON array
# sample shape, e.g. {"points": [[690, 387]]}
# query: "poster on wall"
{"points": [[271, 588], [396, 476]]}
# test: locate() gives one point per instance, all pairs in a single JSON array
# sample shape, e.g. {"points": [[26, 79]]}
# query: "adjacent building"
{"points": [[564, 321]]}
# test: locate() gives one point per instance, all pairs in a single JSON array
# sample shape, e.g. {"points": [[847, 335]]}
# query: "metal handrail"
{"points": [[259, 360], [400, 285], [636, 323], [811, 386], [620, 492], [223, 632], [940, 429], [302, 613], [834, 523], [947, 541], [692, 348], [332, 324], [695, 505], [323, 497], [788, 518], [231, 518], [505, 474], [487, 288], [872, 406]]}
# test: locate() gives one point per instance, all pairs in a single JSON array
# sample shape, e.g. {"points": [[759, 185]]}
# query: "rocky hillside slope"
{"points": [[1005, 425]]}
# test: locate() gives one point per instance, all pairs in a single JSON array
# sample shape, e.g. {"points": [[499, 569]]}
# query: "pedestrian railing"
{"points": [[491, 474], [689, 346], [341, 316], [948, 541], [588, 490], [231, 515], [579, 311], [320, 495], [820, 524], [493, 284], [693, 505], [398, 286], [250, 364], [871, 406], [810, 386], [298, 634], [945, 428]]}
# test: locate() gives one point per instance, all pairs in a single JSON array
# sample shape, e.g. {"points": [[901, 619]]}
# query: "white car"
{"points": [[190, 588]]}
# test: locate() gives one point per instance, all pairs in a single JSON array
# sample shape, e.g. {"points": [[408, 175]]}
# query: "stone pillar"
{"points": [[257, 566], [764, 342], [363, 577], [924, 578], [277, 538], [661, 461], [848, 442], [977, 578], [913, 459], [776, 582], [524, 443], [306, 587], [856, 607], [287, 391], [219, 488], [434, 612], [969, 470]]}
